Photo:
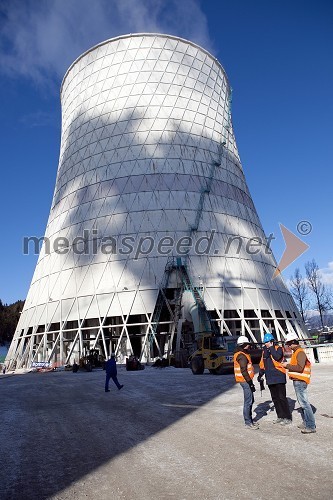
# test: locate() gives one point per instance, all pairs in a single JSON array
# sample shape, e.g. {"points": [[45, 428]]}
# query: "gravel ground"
{"points": [[166, 435]]}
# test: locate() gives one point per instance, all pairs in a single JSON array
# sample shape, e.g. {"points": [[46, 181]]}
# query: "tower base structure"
{"points": [[171, 331]]}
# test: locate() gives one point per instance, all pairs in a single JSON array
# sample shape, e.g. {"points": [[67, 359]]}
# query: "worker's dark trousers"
{"points": [[279, 398], [107, 380]]}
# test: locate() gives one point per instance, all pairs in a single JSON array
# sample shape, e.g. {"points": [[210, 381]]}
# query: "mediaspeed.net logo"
{"points": [[137, 246], [295, 247]]}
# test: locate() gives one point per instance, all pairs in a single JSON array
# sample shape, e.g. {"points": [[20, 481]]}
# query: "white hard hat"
{"points": [[242, 340], [291, 336]]}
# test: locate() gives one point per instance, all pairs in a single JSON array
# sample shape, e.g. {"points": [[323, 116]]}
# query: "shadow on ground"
{"points": [[59, 427]]}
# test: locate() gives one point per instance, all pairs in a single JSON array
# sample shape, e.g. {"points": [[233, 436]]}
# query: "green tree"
{"points": [[9, 317]]}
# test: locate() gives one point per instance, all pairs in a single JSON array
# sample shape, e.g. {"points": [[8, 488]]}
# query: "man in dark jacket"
{"points": [[275, 373], [111, 372]]}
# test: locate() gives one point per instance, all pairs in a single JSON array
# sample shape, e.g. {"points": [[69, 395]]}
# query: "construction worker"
{"points": [[111, 372], [275, 374], [244, 373], [299, 371]]}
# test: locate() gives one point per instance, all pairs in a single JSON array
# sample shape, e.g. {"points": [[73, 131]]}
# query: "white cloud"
{"points": [[39, 40], [327, 274]]}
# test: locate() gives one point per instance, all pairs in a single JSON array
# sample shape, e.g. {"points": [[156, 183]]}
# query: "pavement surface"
{"points": [[166, 435]]}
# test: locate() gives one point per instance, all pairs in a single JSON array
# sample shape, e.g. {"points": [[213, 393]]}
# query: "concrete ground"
{"points": [[166, 435]]}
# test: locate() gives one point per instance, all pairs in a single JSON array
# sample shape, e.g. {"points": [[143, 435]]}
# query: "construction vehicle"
{"points": [[255, 351], [92, 360], [214, 353], [133, 364]]}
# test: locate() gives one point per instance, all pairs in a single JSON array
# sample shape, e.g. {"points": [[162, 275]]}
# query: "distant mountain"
{"points": [[314, 321]]}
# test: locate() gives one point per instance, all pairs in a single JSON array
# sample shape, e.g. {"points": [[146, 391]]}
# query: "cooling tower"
{"points": [[152, 236]]}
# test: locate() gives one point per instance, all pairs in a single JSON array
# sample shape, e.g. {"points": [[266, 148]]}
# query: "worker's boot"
{"points": [[252, 427], [308, 431], [286, 421]]}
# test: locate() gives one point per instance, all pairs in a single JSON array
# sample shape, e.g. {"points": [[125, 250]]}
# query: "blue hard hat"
{"points": [[268, 337]]}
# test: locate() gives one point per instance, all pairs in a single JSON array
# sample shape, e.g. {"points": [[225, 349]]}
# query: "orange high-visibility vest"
{"points": [[306, 373], [277, 364], [237, 369]]}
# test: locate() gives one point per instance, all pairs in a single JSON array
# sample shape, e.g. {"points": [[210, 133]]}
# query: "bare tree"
{"points": [[322, 295], [300, 292]]}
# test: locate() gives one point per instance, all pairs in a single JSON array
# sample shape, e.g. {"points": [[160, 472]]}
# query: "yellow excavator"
{"points": [[214, 353]]}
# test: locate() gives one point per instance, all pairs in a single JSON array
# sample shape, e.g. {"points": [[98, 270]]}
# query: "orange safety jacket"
{"points": [[306, 373], [277, 364], [237, 369]]}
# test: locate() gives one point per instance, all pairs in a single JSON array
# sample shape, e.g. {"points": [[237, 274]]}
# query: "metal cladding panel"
{"points": [[232, 298], [41, 314], [250, 298], [214, 298], [265, 299], [69, 309], [147, 153], [87, 307], [53, 311], [105, 302]]}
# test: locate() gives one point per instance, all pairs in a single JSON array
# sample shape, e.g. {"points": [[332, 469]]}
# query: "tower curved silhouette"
{"points": [[151, 216]]}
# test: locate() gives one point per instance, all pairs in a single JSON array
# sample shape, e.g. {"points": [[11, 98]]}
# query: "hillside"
{"points": [[9, 316]]}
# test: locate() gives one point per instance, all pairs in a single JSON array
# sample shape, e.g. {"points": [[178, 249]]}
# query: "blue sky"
{"points": [[279, 59]]}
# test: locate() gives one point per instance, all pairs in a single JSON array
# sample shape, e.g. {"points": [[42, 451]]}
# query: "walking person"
{"points": [[271, 366], [299, 371], [111, 372], [244, 373]]}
